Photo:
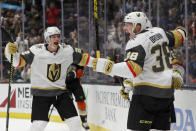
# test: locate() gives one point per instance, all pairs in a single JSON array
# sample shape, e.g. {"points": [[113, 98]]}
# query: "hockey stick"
{"points": [[5, 33], [96, 17], [51, 112]]}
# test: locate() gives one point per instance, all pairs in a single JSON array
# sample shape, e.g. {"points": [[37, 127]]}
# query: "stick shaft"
{"points": [[96, 17], [5, 32], [9, 93]]}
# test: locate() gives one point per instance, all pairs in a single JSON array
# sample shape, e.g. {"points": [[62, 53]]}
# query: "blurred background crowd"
{"points": [[25, 21]]}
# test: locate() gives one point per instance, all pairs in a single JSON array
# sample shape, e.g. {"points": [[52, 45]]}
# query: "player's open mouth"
{"points": [[56, 43]]}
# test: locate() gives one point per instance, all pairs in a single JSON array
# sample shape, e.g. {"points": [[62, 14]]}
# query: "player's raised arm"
{"points": [[12, 48], [81, 58], [177, 37]]}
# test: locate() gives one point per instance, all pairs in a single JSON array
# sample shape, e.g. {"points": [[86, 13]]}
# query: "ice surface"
{"points": [[24, 125]]}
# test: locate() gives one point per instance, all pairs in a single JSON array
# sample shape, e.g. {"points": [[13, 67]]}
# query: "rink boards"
{"points": [[107, 111]]}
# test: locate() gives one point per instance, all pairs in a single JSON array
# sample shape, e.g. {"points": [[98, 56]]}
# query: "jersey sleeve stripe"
{"points": [[181, 36], [22, 62], [131, 69], [87, 60], [19, 62], [177, 63], [84, 59]]}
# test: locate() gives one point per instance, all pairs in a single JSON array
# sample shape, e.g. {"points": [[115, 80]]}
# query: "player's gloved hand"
{"points": [[123, 93], [12, 48], [102, 65], [71, 76], [178, 73], [126, 88], [177, 79], [84, 122]]}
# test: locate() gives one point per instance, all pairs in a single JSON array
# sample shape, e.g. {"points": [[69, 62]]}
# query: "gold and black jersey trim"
{"points": [[135, 59], [151, 84], [175, 38], [134, 68], [84, 60], [22, 62], [80, 58], [176, 62], [153, 90], [49, 88], [136, 54], [37, 91], [178, 38], [27, 56]]}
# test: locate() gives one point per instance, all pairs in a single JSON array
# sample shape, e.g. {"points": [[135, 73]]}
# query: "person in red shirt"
{"points": [[52, 14]]}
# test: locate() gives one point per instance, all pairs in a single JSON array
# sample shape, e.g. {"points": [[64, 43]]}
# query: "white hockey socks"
{"points": [[38, 125], [74, 123]]}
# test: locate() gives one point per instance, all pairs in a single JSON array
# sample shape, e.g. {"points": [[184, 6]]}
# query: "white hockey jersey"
{"points": [[48, 70], [151, 51]]}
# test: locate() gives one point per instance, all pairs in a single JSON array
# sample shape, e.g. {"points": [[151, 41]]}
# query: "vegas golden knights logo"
{"points": [[138, 14], [53, 72]]}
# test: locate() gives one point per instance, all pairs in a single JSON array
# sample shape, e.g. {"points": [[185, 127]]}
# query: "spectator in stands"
{"points": [[4, 23], [192, 66], [22, 45], [129, 5], [193, 26], [38, 39], [16, 26], [33, 19], [5, 75], [72, 40], [192, 6], [26, 73], [32, 36], [52, 14]]}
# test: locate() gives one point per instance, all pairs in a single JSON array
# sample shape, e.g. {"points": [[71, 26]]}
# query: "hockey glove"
{"points": [[177, 76], [102, 65], [71, 76], [126, 88], [177, 79], [123, 94], [12, 48], [84, 122]]}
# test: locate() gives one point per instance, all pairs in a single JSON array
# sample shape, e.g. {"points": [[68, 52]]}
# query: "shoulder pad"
{"points": [[35, 49], [139, 40], [78, 50]]}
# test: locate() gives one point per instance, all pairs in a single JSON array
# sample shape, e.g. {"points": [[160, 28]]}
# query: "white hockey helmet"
{"points": [[137, 18], [148, 24], [51, 31]]}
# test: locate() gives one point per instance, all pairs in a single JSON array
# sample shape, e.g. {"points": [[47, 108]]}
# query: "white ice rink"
{"points": [[24, 125]]}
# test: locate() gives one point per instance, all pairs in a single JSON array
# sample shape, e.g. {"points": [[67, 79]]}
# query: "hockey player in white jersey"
{"points": [[49, 63], [148, 65]]}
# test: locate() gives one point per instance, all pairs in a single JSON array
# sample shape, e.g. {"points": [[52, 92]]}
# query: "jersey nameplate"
{"points": [[156, 37]]}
